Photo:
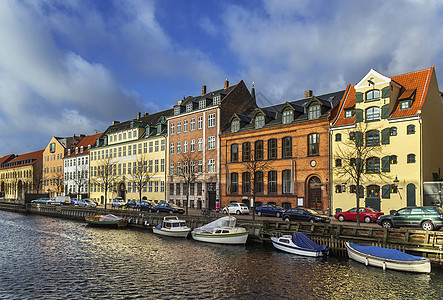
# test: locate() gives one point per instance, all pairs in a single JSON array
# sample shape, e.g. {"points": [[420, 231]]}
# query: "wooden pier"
{"points": [[428, 244]]}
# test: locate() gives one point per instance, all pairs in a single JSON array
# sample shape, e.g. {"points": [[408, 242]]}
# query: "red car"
{"points": [[366, 214]]}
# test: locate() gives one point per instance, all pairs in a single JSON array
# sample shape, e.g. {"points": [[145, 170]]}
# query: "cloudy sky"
{"points": [[70, 67]]}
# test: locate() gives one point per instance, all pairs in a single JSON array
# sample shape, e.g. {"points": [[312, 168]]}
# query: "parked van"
{"points": [[59, 200]]}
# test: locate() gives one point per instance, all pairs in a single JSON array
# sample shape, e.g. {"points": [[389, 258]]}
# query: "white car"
{"points": [[236, 208], [86, 203]]}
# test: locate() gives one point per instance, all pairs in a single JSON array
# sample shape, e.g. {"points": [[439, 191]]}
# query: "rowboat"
{"points": [[388, 258], [299, 243], [106, 221], [172, 226], [221, 231]]}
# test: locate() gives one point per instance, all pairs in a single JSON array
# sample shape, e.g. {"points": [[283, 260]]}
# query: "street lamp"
{"points": [[396, 181]]}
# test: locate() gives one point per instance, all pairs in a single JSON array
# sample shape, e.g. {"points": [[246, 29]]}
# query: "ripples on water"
{"points": [[48, 258]]}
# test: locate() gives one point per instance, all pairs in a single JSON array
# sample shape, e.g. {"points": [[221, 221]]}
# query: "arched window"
{"points": [[372, 95], [373, 165], [314, 112], [411, 158], [246, 151], [272, 182], [410, 129], [258, 150], [373, 191], [235, 126], [234, 153], [373, 138], [234, 183], [372, 114], [313, 144], [288, 116], [286, 181], [259, 121], [338, 137], [287, 147]]}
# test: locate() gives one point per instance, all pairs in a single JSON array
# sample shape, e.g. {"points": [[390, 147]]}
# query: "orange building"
{"points": [[290, 144]]}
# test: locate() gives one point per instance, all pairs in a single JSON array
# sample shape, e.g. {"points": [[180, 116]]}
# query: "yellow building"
{"points": [[397, 121], [21, 174], [134, 152]]}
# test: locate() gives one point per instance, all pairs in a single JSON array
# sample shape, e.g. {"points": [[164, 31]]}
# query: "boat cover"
{"points": [[385, 253], [159, 226], [222, 222], [110, 218], [302, 240]]}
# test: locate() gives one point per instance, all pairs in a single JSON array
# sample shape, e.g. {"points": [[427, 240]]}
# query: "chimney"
{"points": [[253, 91], [139, 114], [308, 94], [203, 90], [226, 84]]}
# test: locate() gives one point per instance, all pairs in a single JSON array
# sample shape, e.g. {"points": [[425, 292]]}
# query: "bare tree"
{"points": [[141, 175], [357, 158], [188, 171], [80, 177], [58, 181], [106, 175]]}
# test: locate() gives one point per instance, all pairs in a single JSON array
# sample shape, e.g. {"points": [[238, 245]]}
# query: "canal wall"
{"points": [[423, 243]]}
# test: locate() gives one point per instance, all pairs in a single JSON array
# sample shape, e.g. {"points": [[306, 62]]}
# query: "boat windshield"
{"points": [[222, 222]]}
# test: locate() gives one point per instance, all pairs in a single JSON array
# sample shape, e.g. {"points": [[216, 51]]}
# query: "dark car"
{"points": [[426, 217], [270, 210], [168, 208], [131, 204], [304, 215], [144, 205]]}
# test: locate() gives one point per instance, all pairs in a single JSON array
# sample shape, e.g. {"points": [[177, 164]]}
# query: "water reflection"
{"points": [[46, 258]]}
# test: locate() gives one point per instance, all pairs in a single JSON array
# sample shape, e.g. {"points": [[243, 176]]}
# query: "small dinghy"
{"points": [[388, 258], [172, 226], [300, 244]]}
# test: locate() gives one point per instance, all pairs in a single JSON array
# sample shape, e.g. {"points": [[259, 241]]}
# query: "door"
{"points": [[410, 194], [314, 193]]}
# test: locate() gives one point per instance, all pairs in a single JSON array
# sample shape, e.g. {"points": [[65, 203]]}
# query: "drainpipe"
{"points": [[420, 121], [329, 172]]}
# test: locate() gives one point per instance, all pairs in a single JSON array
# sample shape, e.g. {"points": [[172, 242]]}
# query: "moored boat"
{"points": [[221, 231], [107, 221], [388, 258], [172, 226], [299, 243]]}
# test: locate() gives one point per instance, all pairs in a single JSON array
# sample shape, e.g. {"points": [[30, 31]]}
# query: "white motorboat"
{"points": [[221, 231], [300, 244], [172, 226], [388, 258]]}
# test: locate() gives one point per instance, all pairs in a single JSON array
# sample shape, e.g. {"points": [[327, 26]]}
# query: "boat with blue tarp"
{"points": [[299, 243], [388, 258]]}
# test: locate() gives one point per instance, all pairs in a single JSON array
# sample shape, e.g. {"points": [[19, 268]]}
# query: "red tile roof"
{"points": [[85, 142], [34, 156]]}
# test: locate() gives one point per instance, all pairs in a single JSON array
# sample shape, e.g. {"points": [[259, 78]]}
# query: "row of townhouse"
{"points": [[220, 147]]}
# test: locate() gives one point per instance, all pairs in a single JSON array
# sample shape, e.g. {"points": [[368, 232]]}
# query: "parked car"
{"points": [[40, 201], [117, 202], [426, 217], [59, 200], [86, 203], [74, 201], [130, 204], [236, 208], [366, 214], [304, 215], [144, 205], [168, 208], [270, 210]]}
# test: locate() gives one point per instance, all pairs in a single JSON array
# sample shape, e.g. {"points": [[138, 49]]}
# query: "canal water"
{"points": [[50, 258]]}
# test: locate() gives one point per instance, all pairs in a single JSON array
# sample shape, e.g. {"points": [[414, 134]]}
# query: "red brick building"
{"points": [[291, 143], [193, 132]]}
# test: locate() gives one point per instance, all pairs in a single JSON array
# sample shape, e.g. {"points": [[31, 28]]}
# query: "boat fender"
{"points": [[146, 223], [366, 261], [384, 266]]}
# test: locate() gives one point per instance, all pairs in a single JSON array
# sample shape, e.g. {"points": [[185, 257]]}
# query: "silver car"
{"points": [[86, 203]]}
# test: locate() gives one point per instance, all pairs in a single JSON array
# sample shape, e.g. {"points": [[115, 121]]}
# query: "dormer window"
{"points": [[259, 121], [159, 128], [216, 100], [235, 126], [288, 116], [177, 110], [81, 149], [76, 150], [189, 107], [372, 95], [89, 147], [314, 112], [405, 104], [202, 103], [110, 138], [349, 113]]}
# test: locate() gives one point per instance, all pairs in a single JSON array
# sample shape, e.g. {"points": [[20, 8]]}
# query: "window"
{"points": [[352, 136], [211, 165], [199, 188], [171, 169], [192, 124], [156, 146], [393, 131], [235, 126], [145, 147], [314, 112], [178, 168], [405, 104], [211, 120], [234, 153], [338, 137], [177, 188], [171, 149], [287, 147], [373, 138], [171, 189], [211, 142], [411, 158], [176, 110], [288, 116], [202, 103], [246, 151], [373, 165], [162, 165], [372, 95], [286, 181], [185, 147], [259, 121], [313, 144], [200, 166], [246, 183], [258, 150], [258, 182], [179, 127], [192, 145], [151, 147], [155, 165], [410, 129], [150, 187], [393, 159], [349, 113], [179, 147], [189, 107], [200, 144], [272, 182], [216, 100], [234, 183], [185, 126], [338, 188], [338, 162], [200, 122], [272, 149], [373, 114]]}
